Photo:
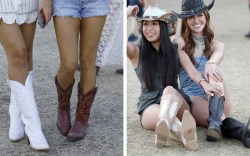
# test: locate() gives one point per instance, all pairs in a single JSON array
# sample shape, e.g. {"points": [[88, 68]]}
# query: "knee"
{"points": [[19, 57], [69, 68], [169, 90], [148, 125]]}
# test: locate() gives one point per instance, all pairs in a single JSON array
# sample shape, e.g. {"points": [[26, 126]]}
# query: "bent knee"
{"points": [[169, 90]]}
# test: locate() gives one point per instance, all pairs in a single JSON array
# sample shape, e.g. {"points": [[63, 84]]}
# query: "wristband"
{"points": [[201, 81], [210, 62]]}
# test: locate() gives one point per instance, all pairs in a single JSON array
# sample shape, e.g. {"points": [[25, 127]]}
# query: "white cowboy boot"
{"points": [[185, 132], [25, 99], [169, 106], [16, 130]]}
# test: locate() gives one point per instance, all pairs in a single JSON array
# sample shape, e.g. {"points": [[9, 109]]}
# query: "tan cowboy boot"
{"points": [[185, 132], [169, 106], [77, 131]]}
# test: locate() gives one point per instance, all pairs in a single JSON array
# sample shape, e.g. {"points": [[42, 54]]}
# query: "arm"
{"points": [[46, 6], [195, 75], [211, 67], [133, 53], [178, 40], [132, 49]]}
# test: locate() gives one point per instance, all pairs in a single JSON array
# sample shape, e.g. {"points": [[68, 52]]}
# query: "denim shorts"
{"points": [[80, 8], [188, 85]]}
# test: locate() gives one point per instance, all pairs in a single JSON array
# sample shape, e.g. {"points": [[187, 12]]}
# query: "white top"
{"points": [[110, 49], [19, 11]]}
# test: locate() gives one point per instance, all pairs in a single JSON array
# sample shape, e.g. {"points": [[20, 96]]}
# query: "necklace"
{"points": [[199, 47]]}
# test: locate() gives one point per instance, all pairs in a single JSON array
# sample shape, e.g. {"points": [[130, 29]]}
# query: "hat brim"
{"points": [[181, 16], [169, 18]]}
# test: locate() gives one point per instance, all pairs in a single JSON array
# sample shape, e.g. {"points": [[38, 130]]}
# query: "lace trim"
{"points": [[110, 46], [10, 18]]}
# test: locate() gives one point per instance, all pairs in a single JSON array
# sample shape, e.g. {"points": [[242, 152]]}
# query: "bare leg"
{"points": [[67, 34], [14, 41], [91, 29], [28, 32]]}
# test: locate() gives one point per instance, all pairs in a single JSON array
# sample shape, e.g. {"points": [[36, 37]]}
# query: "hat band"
{"points": [[151, 17], [193, 10]]}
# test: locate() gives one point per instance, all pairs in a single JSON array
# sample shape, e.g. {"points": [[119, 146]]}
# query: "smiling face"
{"points": [[197, 23], [151, 31]]}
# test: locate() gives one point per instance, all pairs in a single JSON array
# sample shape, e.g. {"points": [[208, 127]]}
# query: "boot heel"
{"points": [[162, 132], [189, 131]]}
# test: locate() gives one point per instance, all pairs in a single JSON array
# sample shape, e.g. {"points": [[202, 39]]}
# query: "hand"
{"points": [[212, 89], [132, 10], [46, 6], [214, 72]]}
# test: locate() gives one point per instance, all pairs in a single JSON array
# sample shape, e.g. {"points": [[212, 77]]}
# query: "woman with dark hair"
{"points": [[197, 40], [156, 62]]}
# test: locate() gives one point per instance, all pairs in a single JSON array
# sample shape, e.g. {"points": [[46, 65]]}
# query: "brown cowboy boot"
{"points": [[77, 132], [63, 115]]}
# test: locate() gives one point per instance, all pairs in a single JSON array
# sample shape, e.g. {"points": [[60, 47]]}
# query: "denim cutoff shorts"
{"points": [[80, 8]]}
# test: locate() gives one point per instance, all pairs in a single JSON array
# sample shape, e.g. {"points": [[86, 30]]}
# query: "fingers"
{"points": [[48, 17], [136, 9], [218, 90], [217, 76], [132, 10]]}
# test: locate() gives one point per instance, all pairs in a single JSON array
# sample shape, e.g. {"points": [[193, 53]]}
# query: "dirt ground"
{"points": [[231, 20], [105, 132]]}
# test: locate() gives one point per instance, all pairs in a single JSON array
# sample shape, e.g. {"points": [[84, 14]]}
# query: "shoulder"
{"points": [[178, 40]]}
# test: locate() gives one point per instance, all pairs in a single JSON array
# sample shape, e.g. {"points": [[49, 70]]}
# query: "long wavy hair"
{"points": [[167, 65], [189, 46]]}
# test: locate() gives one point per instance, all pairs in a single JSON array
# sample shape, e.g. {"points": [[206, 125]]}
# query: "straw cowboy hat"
{"points": [[155, 13], [192, 8]]}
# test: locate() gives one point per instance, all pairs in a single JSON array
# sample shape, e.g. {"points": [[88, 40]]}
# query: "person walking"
{"points": [[17, 30]]}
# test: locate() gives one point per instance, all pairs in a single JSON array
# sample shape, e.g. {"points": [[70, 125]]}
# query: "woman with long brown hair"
{"points": [[197, 40], [162, 106]]}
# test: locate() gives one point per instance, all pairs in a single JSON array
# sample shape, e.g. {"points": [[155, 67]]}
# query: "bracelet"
{"points": [[210, 62], [201, 81]]}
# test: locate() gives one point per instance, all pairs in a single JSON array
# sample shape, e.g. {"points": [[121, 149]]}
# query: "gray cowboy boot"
{"points": [[216, 104]]}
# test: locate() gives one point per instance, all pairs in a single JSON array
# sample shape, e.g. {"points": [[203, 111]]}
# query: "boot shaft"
{"points": [[25, 99], [64, 95], [232, 128], [84, 103], [216, 108], [169, 107]]}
